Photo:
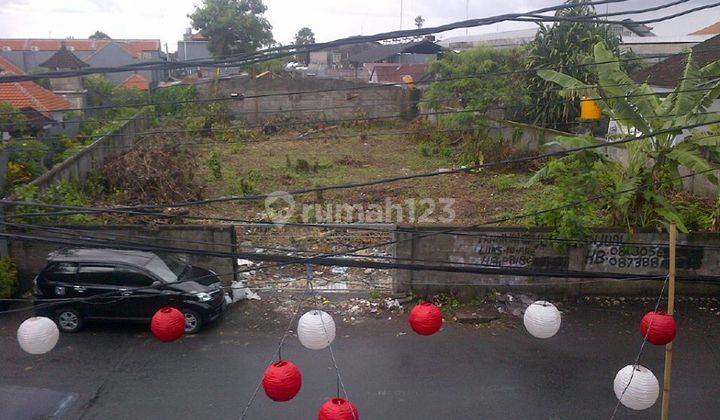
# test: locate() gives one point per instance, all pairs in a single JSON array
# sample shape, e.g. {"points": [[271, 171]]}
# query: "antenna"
{"points": [[401, 13], [467, 15]]}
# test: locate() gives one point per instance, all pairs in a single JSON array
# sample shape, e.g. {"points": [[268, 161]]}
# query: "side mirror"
{"points": [[157, 284]]}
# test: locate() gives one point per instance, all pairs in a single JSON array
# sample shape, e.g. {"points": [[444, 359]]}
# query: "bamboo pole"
{"points": [[665, 414]]}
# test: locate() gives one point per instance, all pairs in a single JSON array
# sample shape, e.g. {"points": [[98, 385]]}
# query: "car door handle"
{"points": [[125, 292], [80, 289]]}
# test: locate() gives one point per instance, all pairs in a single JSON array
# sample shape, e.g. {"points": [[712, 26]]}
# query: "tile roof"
{"points": [[134, 46], [64, 59], [713, 29], [8, 67], [666, 73], [393, 73], [136, 81], [24, 95]]}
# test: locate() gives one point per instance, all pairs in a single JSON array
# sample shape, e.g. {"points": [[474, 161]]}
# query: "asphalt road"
{"points": [[463, 372]]}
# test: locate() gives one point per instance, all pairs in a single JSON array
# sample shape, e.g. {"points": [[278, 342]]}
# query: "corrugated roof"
{"points": [[382, 52], [666, 73], [393, 73], [136, 81], [64, 59], [713, 29]]}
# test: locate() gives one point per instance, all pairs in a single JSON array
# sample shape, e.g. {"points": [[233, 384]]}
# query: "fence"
{"points": [[512, 248], [30, 256]]}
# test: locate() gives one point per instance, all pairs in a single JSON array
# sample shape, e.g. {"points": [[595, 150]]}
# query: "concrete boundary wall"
{"points": [[335, 100], [523, 248], [30, 256], [78, 166]]}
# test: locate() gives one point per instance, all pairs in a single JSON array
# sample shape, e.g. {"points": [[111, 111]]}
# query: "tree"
{"points": [[304, 36], [564, 46], [233, 26], [99, 35], [419, 22], [12, 120], [652, 163]]}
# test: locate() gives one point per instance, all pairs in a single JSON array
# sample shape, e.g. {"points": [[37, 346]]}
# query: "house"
{"points": [[415, 52], [334, 62], [505, 39], [711, 30], [70, 88], [394, 73], [136, 81], [663, 77], [192, 47], [40, 106], [28, 54]]}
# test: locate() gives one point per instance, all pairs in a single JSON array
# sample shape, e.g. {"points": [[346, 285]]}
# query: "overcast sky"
{"points": [[329, 19]]}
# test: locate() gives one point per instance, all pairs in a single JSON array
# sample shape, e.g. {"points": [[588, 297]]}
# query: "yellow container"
{"points": [[589, 110], [408, 80]]}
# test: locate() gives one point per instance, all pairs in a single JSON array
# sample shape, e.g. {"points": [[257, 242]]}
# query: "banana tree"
{"points": [[653, 161]]}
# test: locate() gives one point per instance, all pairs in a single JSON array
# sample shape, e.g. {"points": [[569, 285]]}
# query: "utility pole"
{"points": [[665, 414], [467, 15], [401, 13]]}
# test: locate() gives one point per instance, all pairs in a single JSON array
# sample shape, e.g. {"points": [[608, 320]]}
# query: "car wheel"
{"points": [[193, 322], [69, 320]]}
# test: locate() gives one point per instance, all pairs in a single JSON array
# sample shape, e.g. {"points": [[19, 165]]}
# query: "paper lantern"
{"points": [[643, 390], [168, 324], [282, 381], [589, 110], [426, 318], [662, 328], [316, 330], [542, 319], [338, 409], [38, 335]]}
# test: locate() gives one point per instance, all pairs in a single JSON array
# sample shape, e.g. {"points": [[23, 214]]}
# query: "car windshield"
{"points": [[168, 268]]}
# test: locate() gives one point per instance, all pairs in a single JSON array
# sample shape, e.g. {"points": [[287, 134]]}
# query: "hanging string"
{"points": [[642, 346]]}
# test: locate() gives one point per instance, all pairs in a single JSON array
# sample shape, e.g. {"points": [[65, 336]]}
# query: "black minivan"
{"points": [[125, 285]]}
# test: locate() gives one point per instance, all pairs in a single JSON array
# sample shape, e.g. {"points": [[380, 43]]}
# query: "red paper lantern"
{"points": [[662, 328], [168, 324], [282, 381], [426, 319], [338, 409]]}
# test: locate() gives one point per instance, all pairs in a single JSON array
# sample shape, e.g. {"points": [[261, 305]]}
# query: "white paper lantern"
{"points": [[644, 388], [38, 335], [316, 330], [542, 319]]}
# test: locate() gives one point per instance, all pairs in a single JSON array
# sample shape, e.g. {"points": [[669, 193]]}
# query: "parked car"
{"points": [[125, 285]]}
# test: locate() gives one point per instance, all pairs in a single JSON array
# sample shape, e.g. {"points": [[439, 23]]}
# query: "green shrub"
{"points": [[214, 164], [8, 278]]}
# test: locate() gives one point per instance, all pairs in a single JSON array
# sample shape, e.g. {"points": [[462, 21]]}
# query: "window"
{"points": [[96, 274], [34, 48], [62, 272], [7, 48], [133, 278]]}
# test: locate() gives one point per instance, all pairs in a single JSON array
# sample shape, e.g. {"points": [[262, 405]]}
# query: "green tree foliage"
{"points": [[99, 91], [419, 22], [304, 36], [476, 91], [12, 120], [8, 278], [233, 26], [174, 100], [653, 162], [565, 47], [99, 35]]}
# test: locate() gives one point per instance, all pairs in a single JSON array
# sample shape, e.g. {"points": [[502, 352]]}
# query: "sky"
{"points": [[329, 19]]}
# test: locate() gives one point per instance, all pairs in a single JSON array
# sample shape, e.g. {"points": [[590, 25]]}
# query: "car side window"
{"points": [[96, 274], [62, 272], [129, 277]]}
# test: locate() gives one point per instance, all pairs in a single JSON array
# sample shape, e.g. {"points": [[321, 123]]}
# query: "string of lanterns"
{"points": [[635, 386]]}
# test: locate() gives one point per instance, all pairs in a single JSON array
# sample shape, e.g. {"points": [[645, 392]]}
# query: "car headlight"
{"points": [[203, 297]]}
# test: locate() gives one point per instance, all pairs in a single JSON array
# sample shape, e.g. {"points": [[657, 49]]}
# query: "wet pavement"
{"points": [[490, 371]]}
